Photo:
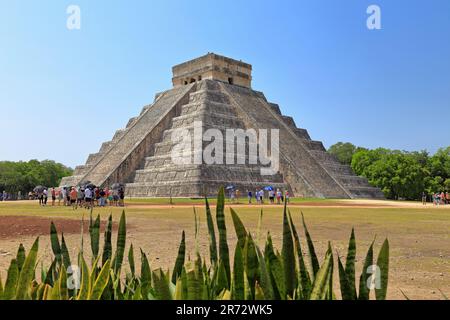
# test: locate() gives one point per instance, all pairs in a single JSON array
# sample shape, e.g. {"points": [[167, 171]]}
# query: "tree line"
{"points": [[25, 176], [399, 174]]}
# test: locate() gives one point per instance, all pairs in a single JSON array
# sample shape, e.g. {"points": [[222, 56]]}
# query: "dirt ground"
{"points": [[419, 236]]}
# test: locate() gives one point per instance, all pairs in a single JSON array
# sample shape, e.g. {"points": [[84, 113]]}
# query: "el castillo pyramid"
{"points": [[217, 91]]}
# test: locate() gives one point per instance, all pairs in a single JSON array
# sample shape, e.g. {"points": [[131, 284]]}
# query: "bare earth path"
{"points": [[419, 236]]}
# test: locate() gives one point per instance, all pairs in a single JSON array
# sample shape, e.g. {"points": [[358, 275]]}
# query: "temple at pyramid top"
{"points": [[213, 67]]}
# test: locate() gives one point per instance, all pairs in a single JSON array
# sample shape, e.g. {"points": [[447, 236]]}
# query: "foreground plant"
{"points": [[254, 274]]}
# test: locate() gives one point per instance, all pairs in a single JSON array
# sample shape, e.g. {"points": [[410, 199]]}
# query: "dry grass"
{"points": [[419, 236]]}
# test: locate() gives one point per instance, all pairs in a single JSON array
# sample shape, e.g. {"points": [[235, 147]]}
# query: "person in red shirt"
{"points": [[73, 198]]}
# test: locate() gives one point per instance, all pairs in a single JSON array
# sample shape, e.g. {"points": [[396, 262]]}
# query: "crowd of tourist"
{"points": [[80, 197], [438, 198], [260, 195]]}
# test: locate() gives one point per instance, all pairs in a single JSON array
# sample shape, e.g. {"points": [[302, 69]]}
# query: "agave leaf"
{"points": [[56, 248], [65, 253], [101, 282], [383, 264], [180, 259], [237, 284], [20, 257], [11, 281], [364, 292], [211, 234], [443, 295], [350, 265], [120, 247], [107, 248], [287, 254], [312, 252], [321, 282], [223, 244], [27, 273], [131, 260], [161, 286], [305, 279]]}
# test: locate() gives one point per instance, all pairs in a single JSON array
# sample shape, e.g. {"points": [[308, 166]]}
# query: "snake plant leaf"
{"points": [[65, 252], [131, 260], [364, 292], [383, 264], [241, 232], [237, 284], [321, 281], [224, 255], [27, 273], [94, 232], [252, 268], [350, 265], [179, 262], [275, 265], [146, 275], [120, 246], [161, 286], [346, 291], [312, 252], [101, 282], [305, 279], [56, 248], [287, 254], [107, 247], [20, 257], [211, 234], [265, 282], [11, 281], [83, 293]]}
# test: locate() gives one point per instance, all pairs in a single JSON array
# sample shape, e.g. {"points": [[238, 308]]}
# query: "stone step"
{"points": [[302, 133], [209, 95]]}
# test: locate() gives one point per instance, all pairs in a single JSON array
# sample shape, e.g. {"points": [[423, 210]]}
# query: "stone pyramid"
{"points": [[215, 91]]}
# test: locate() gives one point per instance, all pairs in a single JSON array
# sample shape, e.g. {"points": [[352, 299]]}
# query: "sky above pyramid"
{"points": [[316, 59]]}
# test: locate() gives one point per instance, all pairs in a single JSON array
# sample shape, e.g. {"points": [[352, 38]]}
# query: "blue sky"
{"points": [[63, 92]]}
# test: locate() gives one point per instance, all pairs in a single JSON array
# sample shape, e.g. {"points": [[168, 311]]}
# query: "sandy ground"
{"points": [[419, 236]]}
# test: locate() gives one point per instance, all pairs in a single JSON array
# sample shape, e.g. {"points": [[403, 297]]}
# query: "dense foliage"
{"points": [[399, 174], [24, 176], [253, 274]]}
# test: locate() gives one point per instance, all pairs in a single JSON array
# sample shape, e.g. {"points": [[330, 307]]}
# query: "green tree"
{"points": [[344, 151], [24, 176]]}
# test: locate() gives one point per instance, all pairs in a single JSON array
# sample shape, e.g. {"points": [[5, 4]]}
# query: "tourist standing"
{"points": [[121, 197], [238, 195], [424, 198], [250, 196], [271, 196], [102, 199], [4, 195], [45, 196], [88, 194], [73, 195], [59, 194], [278, 196], [287, 197], [53, 193]]}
